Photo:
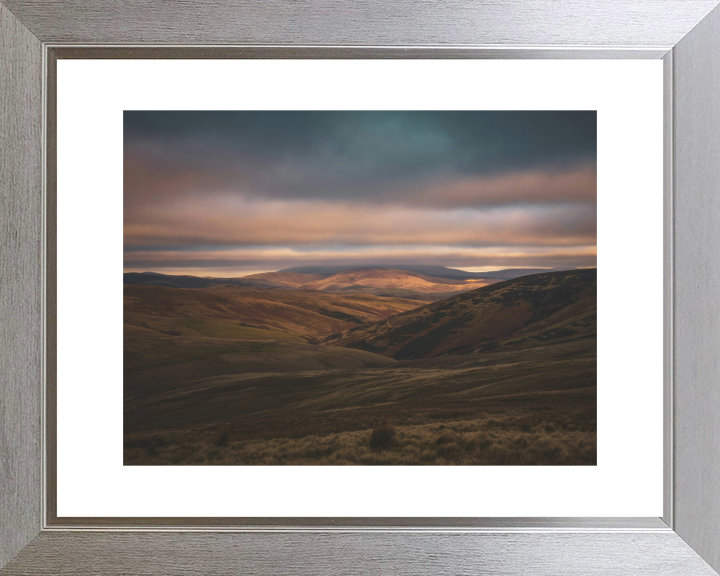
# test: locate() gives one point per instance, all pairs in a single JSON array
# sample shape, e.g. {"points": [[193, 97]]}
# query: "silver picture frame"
{"points": [[685, 34]]}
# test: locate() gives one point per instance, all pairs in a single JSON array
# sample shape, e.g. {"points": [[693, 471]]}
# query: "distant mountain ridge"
{"points": [[169, 281], [428, 270], [384, 282], [523, 312], [408, 281], [376, 281]]}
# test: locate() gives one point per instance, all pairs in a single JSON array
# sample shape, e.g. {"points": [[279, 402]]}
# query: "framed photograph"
{"points": [[421, 290], [328, 281]]}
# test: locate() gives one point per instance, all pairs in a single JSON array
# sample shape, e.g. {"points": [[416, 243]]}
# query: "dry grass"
{"points": [[500, 440], [524, 407], [223, 437], [382, 437]]}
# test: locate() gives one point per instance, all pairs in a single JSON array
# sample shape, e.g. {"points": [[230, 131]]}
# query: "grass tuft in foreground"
{"points": [[382, 437]]}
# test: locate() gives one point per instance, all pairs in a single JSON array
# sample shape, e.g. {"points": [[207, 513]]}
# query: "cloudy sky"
{"points": [[235, 193]]}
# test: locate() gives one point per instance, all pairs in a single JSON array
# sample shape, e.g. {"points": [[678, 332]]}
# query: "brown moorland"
{"points": [[555, 307], [303, 313], [505, 374]]}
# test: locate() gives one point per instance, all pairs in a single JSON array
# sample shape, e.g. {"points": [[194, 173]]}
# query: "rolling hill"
{"points": [[287, 279], [430, 270], [416, 282], [169, 281], [250, 313], [551, 307], [378, 281]]}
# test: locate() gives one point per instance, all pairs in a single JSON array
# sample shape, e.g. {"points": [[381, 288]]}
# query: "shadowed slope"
{"points": [[525, 312]]}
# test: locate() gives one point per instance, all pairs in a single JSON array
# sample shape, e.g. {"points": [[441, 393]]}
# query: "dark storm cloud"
{"points": [[345, 155]]}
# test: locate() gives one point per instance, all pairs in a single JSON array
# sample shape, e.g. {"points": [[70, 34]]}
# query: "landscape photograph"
{"points": [[360, 288]]}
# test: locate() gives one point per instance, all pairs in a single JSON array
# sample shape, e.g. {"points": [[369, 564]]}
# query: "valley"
{"points": [[359, 367]]}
